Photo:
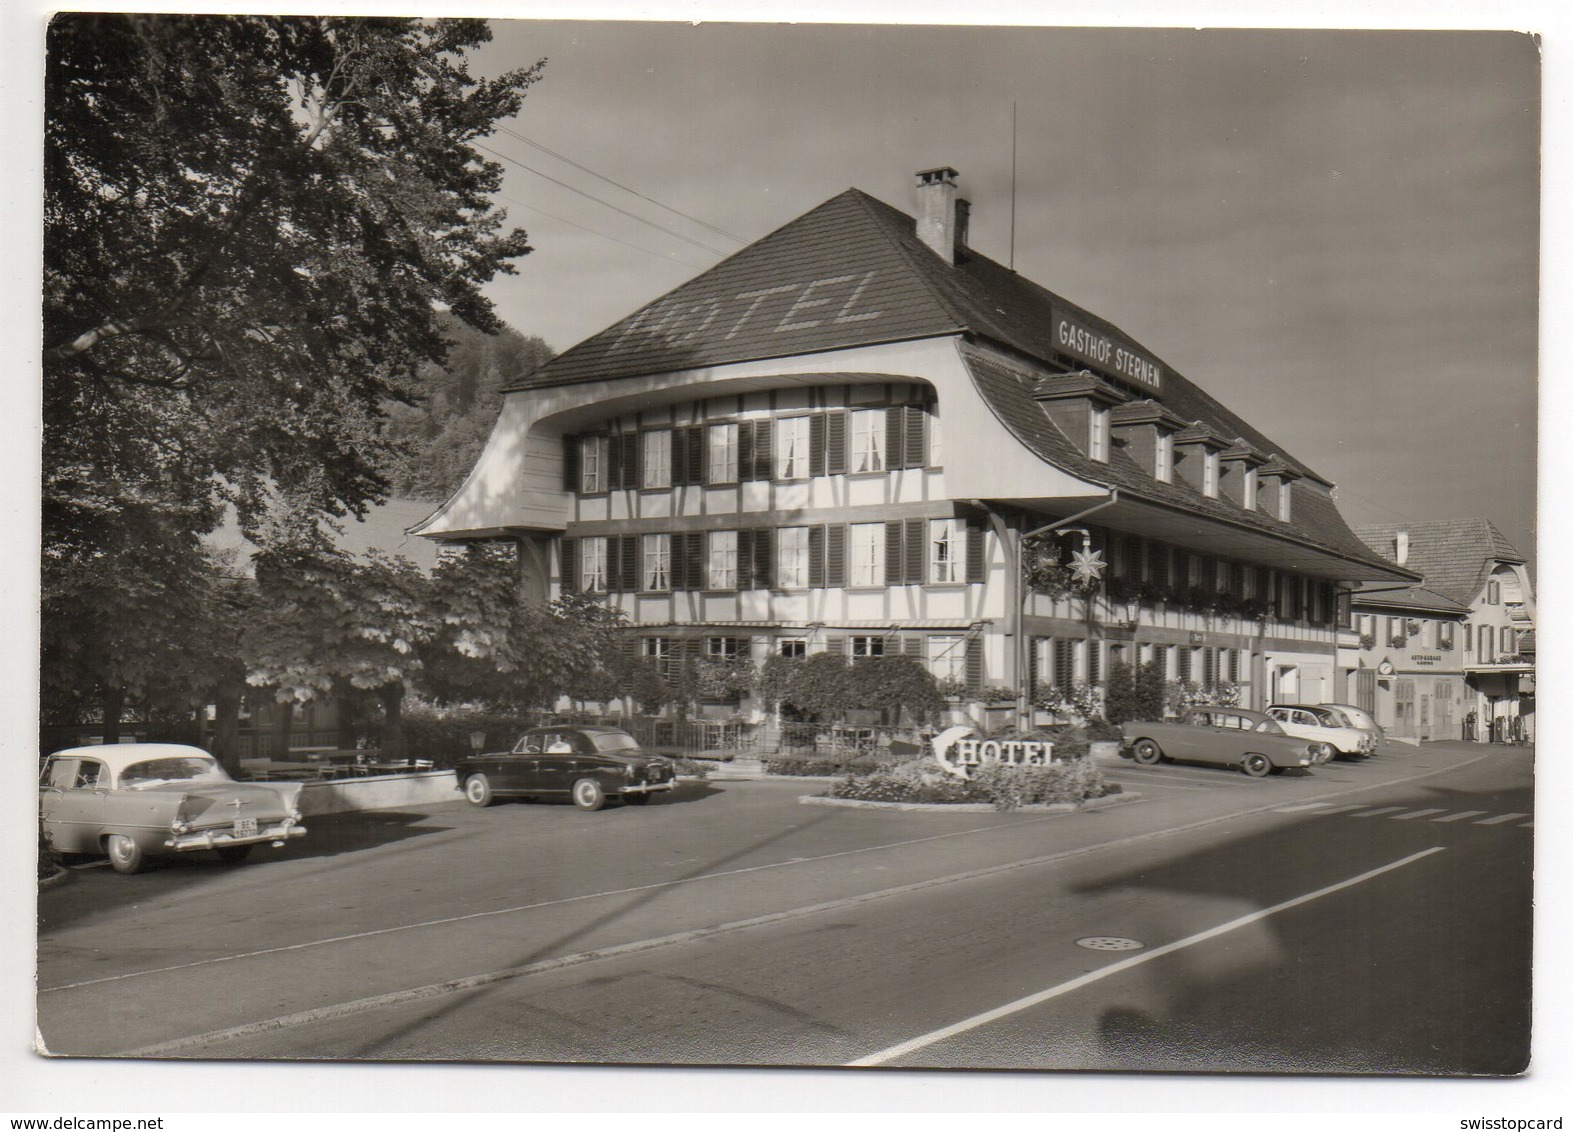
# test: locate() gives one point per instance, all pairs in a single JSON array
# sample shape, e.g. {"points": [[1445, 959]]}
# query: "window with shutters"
{"points": [[1160, 657], [1223, 576], [792, 558], [657, 555], [1493, 593], [866, 555], [1444, 634], [946, 551], [657, 474], [792, 448], [721, 466], [592, 465], [794, 647], [658, 650], [868, 441], [722, 571], [947, 657], [1064, 670], [906, 435], [868, 646], [1094, 651], [592, 565], [1232, 665], [1209, 668], [726, 648], [1182, 662]]}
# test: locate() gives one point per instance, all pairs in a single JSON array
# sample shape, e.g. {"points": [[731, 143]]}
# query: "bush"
{"points": [[445, 739], [48, 860], [811, 765], [1004, 786], [693, 768]]}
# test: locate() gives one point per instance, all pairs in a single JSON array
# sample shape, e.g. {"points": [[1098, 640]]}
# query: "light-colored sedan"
{"points": [[132, 801], [1233, 737], [1323, 725], [1360, 720]]}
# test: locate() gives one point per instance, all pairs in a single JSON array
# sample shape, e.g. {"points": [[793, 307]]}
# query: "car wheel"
{"points": [[635, 799], [1147, 753], [588, 795], [477, 790], [125, 855], [234, 854], [1257, 766]]}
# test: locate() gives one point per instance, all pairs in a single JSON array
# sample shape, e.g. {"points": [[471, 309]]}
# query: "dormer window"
{"points": [[1210, 474], [1248, 490], [1237, 473], [1078, 404], [1146, 430], [1163, 457], [1196, 452], [1276, 477]]}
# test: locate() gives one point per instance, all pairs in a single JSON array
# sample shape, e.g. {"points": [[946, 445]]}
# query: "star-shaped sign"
{"points": [[1087, 566]]}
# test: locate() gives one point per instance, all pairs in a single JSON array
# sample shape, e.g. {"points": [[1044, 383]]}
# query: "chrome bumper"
{"points": [[222, 838], [649, 787]]}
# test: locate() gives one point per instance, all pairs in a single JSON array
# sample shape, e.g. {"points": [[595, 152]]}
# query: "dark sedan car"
{"points": [[586, 764]]}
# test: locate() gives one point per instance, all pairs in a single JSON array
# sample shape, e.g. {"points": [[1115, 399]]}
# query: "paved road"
{"points": [[1370, 917]]}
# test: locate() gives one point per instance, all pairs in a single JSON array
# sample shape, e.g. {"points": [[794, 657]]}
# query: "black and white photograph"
{"points": [[624, 551]]}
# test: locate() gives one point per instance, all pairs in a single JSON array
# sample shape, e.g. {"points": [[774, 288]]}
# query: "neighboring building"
{"points": [[839, 438], [1470, 566]]}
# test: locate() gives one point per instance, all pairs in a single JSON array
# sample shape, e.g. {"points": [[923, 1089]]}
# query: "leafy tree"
{"points": [[891, 684], [1119, 693], [251, 227], [327, 622], [820, 688], [435, 443], [1151, 692]]}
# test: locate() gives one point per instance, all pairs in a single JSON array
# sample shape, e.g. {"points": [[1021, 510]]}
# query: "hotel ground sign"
{"points": [[1079, 340], [959, 749]]}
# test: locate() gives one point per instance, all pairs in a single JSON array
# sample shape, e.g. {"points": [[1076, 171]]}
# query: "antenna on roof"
{"points": [[1013, 186]]}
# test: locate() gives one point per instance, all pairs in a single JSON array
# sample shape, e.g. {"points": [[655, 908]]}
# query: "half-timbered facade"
{"points": [[859, 435]]}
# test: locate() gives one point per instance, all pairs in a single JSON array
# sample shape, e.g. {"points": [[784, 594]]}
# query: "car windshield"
{"points": [[1269, 726], [177, 769], [1334, 718], [615, 741]]}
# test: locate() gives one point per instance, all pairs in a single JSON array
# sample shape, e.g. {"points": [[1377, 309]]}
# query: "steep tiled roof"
{"points": [[853, 272], [1454, 555], [1008, 390], [1417, 598]]}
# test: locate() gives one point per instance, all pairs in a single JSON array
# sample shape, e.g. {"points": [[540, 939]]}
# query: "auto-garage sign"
{"points": [[959, 749]]}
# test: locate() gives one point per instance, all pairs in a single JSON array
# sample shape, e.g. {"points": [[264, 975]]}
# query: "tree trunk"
{"points": [[392, 720], [226, 726], [344, 704], [114, 707], [283, 719]]}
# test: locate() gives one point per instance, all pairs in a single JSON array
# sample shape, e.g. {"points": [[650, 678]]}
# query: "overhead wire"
{"points": [[618, 184], [604, 235], [605, 204]]}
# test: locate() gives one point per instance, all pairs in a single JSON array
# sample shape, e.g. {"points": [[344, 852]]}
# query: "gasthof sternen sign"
{"points": [[1096, 348]]}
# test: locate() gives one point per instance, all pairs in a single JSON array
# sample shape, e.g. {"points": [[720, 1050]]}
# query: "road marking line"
{"points": [[1418, 814], [1378, 810], [1501, 819], [1301, 806], [1527, 825], [1462, 815], [913, 1045], [1133, 839], [1342, 809]]}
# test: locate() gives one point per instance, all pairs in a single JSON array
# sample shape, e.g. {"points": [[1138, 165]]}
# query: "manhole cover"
{"points": [[1110, 943]]}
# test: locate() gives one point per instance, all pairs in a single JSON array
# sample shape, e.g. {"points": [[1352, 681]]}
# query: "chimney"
{"points": [[1401, 548], [941, 217]]}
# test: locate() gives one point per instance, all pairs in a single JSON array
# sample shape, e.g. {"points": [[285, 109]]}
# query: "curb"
{"points": [[971, 807], [55, 879]]}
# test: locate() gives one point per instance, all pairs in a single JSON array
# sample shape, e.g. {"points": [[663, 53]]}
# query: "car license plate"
{"points": [[245, 827]]}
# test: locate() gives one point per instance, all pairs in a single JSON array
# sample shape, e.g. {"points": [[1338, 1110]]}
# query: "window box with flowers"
{"points": [[1398, 641], [1080, 701], [1368, 641]]}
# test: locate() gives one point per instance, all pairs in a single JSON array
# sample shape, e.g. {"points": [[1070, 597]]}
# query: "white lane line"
{"points": [[1301, 806], [1500, 819], [1344, 809], [890, 1054], [1378, 810], [1527, 825], [1461, 815], [1418, 814]]}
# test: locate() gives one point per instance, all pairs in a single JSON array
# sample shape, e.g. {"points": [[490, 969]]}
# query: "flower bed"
{"points": [[1001, 785]]}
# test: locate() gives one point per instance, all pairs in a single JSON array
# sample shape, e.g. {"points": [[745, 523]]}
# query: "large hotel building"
{"points": [[857, 434]]}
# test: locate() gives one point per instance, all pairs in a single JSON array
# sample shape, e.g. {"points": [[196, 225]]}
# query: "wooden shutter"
{"points": [[912, 645], [816, 557], [1183, 664], [895, 436], [1064, 663], [612, 473], [745, 450], [571, 463], [629, 567], [697, 574], [697, 451], [631, 469], [915, 450], [836, 645], [894, 559], [976, 562], [974, 663], [570, 566], [763, 547], [816, 444], [835, 443], [914, 551], [1034, 644], [836, 555], [1209, 668], [763, 467], [1094, 662], [1159, 562], [679, 457]]}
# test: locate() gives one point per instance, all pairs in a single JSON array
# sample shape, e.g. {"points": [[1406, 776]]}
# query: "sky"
{"points": [[1333, 232]]}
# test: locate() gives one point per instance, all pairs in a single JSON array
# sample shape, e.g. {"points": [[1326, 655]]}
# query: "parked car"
{"points": [[1360, 720], [587, 764], [133, 801], [1238, 737], [1325, 725]]}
